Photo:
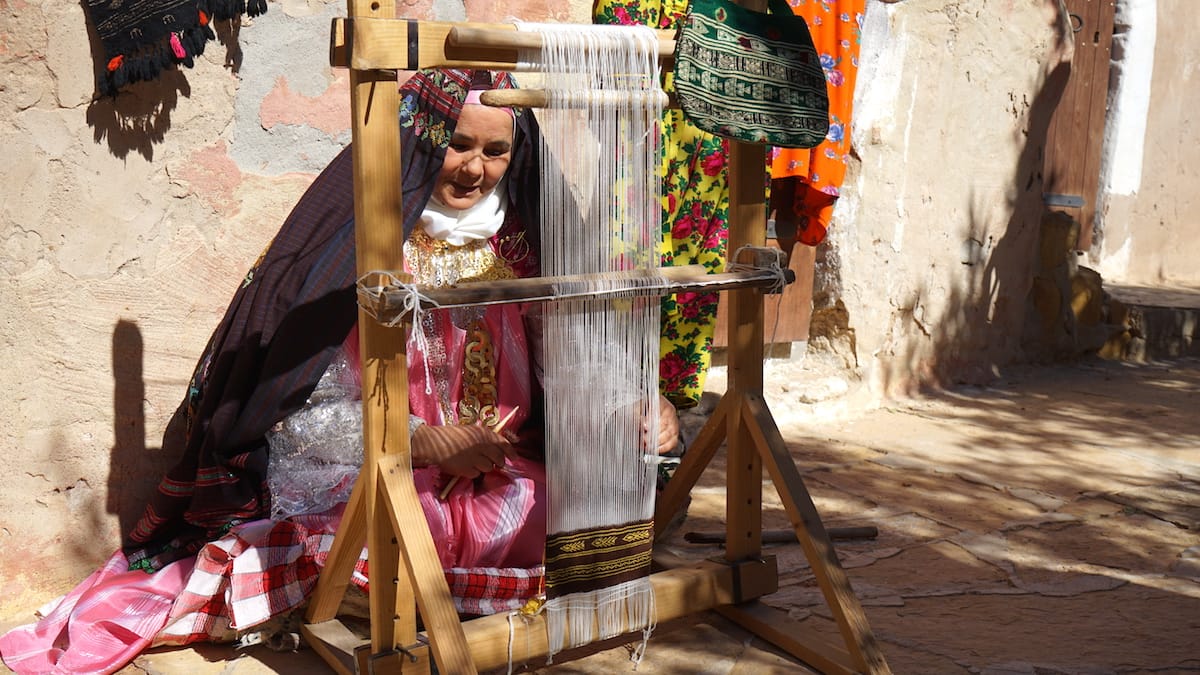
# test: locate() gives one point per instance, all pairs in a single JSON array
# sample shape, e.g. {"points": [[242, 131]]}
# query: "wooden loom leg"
{"points": [[747, 218], [860, 641], [694, 462], [343, 555], [749, 427], [398, 495], [404, 568]]}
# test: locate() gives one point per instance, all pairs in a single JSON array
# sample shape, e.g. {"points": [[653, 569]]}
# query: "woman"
{"points": [[470, 180]]}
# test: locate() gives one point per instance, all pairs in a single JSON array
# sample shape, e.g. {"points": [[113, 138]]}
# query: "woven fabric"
{"points": [[142, 38], [578, 562], [260, 571], [750, 76], [266, 569], [482, 591]]}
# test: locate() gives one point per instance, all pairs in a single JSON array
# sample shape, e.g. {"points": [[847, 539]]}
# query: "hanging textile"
{"points": [[695, 206], [142, 38], [806, 183]]}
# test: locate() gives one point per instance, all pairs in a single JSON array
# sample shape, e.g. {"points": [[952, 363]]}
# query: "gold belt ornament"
{"points": [[478, 402]]}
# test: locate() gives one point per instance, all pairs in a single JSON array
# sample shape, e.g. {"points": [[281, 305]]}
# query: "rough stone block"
{"points": [[1047, 299], [1059, 237], [1118, 313], [1087, 294], [1116, 348]]}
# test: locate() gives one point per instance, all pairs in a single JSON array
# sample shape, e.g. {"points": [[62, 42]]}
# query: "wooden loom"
{"points": [[384, 509]]}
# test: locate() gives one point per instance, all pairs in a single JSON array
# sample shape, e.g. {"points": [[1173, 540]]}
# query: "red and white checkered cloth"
{"points": [[265, 569], [260, 570]]}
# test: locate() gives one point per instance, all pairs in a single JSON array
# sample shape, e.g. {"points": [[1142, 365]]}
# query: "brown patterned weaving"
{"points": [[589, 560]]}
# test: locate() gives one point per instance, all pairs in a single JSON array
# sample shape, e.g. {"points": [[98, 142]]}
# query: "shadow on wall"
{"points": [[134, 469], [981, 327], [137, 118]]}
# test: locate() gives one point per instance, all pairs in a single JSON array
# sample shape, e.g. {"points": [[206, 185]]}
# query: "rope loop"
{"points": [[371, 296], [766, 259]]}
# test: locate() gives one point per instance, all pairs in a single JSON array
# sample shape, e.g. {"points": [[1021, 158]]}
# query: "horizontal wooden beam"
{"points": [[407, 44], [508, 38], [539, 98], [679, 592], [388, 303]]}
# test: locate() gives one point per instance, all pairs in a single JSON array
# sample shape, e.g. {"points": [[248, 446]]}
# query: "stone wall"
{"points": [[127, 223]]}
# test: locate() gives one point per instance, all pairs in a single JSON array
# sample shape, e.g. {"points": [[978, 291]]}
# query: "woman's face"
{"points": [[476, 158]]}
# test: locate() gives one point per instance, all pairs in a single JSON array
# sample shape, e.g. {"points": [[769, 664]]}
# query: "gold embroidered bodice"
{"points": [[436, 263]]}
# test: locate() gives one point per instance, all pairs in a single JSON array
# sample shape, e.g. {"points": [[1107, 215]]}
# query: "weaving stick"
{"points": [[499, 428]]}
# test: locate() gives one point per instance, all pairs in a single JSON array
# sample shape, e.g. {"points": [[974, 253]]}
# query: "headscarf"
{"points": [[287, 319]]}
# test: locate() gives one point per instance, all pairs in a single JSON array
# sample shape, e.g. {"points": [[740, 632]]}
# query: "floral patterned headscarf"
{"points": [[430, 104]]}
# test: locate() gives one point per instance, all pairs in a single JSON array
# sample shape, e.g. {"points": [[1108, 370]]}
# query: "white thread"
{"points": [[512, 635], [601, 213]]}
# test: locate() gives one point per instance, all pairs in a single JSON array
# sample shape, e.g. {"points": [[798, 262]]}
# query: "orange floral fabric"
{"points": [[836, 27]]}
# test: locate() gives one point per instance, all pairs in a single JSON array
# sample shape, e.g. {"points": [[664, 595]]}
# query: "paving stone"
{"points": [[1188, 563]]}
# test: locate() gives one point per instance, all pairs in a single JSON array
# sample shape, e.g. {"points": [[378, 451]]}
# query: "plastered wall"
{"points": [[1149, 198], [127, 223]]}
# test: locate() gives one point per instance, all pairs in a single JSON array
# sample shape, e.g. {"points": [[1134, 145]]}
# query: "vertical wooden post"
{"points": [[379, 239], [747, 226]]}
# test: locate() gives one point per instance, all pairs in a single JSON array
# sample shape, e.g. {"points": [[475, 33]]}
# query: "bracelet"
{"points": [[414, 423]]}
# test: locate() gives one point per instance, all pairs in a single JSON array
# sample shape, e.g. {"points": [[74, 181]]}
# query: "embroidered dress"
{"points": [[475, 364], [836, 28], [695, 218]]}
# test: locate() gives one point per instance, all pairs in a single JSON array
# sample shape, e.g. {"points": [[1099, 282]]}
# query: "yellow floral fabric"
{"points": [[695, 217]]}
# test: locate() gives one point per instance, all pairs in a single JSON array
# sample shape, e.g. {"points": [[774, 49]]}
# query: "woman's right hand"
{"points": [[459, 450]]}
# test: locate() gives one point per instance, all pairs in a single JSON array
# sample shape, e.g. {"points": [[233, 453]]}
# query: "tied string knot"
{"points": [[766, 259], [372, 289]]}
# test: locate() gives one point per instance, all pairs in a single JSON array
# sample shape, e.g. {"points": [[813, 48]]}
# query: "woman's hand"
{"points": [[459, 450], [668, 427]]}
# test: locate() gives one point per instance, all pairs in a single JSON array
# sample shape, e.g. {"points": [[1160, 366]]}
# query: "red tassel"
{"points": [[203, 18], [115, 62], [177, 47]]}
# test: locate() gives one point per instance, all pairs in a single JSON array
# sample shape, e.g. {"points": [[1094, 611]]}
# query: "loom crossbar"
{"points": [[387, 303], [686, 589], [365, 43]]}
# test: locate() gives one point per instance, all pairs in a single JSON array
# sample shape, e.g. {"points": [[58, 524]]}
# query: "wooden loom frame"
{"points": [[384, 509]]}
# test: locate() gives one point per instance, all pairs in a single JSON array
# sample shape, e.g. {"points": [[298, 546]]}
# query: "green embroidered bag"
{"points": [[751, 76]]}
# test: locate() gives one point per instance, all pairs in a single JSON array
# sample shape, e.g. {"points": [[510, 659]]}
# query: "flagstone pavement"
{"points": [[1044, 524]]}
